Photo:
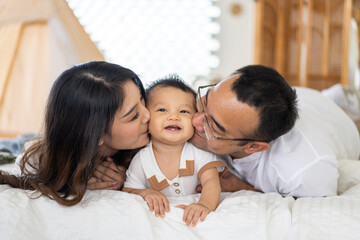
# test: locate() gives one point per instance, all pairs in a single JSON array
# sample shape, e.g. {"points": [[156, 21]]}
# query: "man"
{"points": [[272, 141], [273, 138]]}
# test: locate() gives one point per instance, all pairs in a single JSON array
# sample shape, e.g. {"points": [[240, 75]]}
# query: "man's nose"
{"points": [[198, 121]]}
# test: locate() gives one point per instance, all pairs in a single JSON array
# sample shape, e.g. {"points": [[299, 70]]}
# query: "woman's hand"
{"points": [[156, 201], [107, 175], [193, 212]]}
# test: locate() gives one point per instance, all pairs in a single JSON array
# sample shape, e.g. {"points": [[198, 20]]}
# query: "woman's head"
{"points": [[93, 110], [87, 99], [130, 124]]}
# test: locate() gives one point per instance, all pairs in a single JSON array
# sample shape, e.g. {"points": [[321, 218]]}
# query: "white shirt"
{"points": [[144, 172], [303, 162]]}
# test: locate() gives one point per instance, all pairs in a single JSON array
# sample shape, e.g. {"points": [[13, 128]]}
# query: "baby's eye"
{"points": [[184, 111], [161, 110]]}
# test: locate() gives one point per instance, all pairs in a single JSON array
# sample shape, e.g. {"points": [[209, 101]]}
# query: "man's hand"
{"points": [[107, 175], [230, 183]]}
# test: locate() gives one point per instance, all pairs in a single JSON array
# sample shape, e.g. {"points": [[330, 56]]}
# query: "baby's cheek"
{"points": [[151, 126], [191, 129]]}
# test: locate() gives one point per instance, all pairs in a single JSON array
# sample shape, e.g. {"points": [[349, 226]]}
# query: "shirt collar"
{"points": [[251, 157]]}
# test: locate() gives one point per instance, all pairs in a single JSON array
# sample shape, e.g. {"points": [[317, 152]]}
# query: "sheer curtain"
{"points": [[154, 37]]}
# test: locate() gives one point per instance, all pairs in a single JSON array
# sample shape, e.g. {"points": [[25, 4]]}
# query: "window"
{"points": [[154, 37]]}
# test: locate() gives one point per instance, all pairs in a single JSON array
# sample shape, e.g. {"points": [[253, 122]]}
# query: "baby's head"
{"points": [[171, 103]]}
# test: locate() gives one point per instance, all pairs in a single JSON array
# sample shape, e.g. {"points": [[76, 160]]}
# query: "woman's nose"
{"points": [[146, 117], [198, 121]]}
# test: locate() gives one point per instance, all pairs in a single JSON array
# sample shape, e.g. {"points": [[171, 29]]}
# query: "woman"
{"points": [[93, 111]]}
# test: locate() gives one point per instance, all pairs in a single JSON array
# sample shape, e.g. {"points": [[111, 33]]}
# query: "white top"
{"points": [[144, 171], [303, 162]]}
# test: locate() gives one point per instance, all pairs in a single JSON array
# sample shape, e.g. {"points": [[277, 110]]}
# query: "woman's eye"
{"points": [[135, 117], [161, 110]]}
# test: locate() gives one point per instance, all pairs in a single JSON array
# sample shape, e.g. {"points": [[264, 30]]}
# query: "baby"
{"points": [[170, 165]]}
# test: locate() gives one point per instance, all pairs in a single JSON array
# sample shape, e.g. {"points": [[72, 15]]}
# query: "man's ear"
{"points": [[254, 147]]}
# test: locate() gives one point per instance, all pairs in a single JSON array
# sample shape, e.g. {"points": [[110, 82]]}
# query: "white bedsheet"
{"points": [[240, 215]]}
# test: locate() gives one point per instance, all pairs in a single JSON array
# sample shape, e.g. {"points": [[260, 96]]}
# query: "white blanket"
{"points": [[240, 215]]}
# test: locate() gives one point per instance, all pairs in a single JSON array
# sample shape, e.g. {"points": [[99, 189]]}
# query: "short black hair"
{"points": [[171, 80], [275, 100]]}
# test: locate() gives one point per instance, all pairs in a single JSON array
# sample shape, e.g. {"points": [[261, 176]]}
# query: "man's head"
{"points": [[254, 103]]}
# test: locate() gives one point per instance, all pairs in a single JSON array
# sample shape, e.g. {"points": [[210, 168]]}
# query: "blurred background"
{"points": [[313, 43]]}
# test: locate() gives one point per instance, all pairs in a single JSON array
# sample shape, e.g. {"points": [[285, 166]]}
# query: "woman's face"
{"points": [[130, 127]]}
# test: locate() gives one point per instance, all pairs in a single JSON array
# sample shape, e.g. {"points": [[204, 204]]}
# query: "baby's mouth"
{"points": [[172, 127]]}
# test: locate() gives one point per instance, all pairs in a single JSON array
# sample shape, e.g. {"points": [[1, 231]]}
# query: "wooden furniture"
{"points": [[356, 15], [307, 41]]}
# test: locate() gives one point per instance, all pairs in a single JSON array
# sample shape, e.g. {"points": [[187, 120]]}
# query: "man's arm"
{"points": [[230, 183], [317, 180]]}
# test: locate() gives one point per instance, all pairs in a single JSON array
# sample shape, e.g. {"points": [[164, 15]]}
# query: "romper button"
{"points": [[176, 184], [177, 191]]}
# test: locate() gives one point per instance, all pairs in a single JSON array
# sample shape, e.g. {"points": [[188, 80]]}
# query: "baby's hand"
{"points": [[193, 212], [156, 201]]}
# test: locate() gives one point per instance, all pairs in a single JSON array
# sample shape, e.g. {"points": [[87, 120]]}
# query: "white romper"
{"points": [[144, 172]]}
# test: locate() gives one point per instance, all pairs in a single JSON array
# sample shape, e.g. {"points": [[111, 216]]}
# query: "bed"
{"points": [[110, 214]]}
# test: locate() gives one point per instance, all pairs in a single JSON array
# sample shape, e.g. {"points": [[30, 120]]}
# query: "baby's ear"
{"points": [[254, 147]]}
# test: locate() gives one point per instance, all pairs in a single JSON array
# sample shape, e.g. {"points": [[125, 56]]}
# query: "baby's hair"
{"points": [[171, 80]]}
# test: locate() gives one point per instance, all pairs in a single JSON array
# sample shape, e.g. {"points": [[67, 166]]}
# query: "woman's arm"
{"points": [[111, 174], [107, 175]]}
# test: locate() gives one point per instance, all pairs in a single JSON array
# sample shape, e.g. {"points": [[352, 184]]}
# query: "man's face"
{"points": [[227, 117]]}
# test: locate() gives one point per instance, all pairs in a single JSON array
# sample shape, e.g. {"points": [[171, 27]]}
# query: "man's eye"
{"points": [[206, 97], [135, 117], [204, 101], [214, 129], [161, 110]]}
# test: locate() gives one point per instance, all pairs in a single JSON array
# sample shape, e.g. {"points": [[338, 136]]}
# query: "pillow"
{"points": [[349, 175]]}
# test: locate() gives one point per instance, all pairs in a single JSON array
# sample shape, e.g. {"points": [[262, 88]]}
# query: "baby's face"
{"points": [[171, 112]]}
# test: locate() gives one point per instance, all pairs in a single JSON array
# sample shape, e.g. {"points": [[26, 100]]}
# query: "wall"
{"points": [[236, 37]]}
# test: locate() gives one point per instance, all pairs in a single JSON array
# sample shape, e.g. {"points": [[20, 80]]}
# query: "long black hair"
{"points": [[80, 110]]}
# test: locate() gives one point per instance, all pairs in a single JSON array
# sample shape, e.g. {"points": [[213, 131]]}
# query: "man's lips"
{"points": [[197, 133]]}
